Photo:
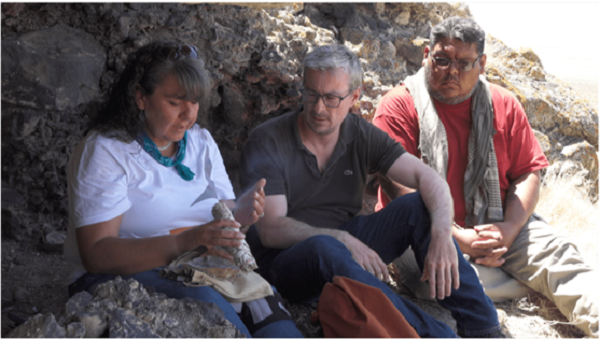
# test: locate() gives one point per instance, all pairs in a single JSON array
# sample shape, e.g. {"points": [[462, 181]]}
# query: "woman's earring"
{"points": [[142, 115]]}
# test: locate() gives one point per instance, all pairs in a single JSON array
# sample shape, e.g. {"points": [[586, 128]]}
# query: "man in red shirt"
{"points": [[477, 137]]}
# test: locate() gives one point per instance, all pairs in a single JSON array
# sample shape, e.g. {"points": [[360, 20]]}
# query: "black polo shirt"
{"points": [[275, 151]]}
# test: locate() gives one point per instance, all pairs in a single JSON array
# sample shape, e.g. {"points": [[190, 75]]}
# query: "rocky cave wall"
{"points": [[60, 59]]}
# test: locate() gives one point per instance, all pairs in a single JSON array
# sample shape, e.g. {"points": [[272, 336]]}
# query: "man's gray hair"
{"points": [[336, 56], [463, 29]]}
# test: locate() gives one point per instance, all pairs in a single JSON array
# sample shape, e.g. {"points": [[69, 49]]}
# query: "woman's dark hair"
{"points": [[120, 117]]}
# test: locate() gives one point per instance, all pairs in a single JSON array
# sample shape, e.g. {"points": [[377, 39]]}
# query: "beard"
{"points": [[436, 95]]}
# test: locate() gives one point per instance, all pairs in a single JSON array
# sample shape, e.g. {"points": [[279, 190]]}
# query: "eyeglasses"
{"points": [[330, 100], [176, 53], [462, 65]]}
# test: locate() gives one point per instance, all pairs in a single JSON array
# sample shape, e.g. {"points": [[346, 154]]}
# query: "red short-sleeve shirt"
{"points": [[517, 150]]}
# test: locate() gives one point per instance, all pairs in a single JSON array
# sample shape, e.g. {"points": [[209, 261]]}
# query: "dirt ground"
{"points": [[32, 282]]}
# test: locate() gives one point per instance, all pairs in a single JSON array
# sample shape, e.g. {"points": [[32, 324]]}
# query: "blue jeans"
{"points": [[301, 271], [177, 290]]}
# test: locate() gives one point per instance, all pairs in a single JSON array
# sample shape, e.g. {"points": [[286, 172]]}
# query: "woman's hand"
{"points": [[212, 235], [250, 206]]}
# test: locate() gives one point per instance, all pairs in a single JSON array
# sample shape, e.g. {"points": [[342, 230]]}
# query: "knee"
{"points": [[412, 201], [322, 244], [412, 206], [325, 249], [202, 293], [208, 294]]}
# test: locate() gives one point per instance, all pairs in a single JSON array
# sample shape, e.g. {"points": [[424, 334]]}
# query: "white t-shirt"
{"points": [[107, 178]]}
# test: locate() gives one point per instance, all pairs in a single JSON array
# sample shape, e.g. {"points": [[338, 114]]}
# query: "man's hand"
{"points": [[496, 239], [250, 206], [441, 263], [365, 256], [441, 267], [484, 256]]}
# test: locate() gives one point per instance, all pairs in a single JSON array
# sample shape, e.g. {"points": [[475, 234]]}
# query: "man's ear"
{"points": [[482, 61], [425, 55], [139, 97], [356, 95]]}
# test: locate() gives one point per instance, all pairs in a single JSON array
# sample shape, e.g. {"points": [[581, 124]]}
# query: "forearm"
{"points": [[436, 196], [441, 262], [283, 232], [521, 199], [103, 251], [412, 172], [115, 255]]}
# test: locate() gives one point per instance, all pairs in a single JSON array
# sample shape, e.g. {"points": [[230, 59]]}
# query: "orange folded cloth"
{"points": [[350, 309]]}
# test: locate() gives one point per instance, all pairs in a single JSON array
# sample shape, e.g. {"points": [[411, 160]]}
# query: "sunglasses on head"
{"points": [[176, 53]]}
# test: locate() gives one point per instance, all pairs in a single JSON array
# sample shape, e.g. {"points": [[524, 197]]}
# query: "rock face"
{"points": [[566, 126], [60, 59], [125, 309]]}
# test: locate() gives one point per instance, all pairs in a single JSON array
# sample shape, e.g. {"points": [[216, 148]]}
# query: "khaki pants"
{"points": [[538, 260]]}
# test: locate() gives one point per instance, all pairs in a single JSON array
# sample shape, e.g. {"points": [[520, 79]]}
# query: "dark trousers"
{"points": [[301, 271]]}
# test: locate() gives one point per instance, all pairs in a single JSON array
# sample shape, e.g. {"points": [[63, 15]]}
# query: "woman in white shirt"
{"points": [[136, 183]]}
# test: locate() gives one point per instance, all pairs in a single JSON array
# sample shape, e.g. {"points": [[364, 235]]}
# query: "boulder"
{"points": [[94, 323], [75, 330], [53, 69], [123, 324], [39, 326], [77, 303]]}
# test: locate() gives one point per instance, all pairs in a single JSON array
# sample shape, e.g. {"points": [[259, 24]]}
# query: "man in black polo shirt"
{"points": [[316, 160]]}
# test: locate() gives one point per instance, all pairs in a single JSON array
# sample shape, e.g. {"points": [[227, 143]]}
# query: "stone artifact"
{"points": [[216, 266], [242, 257], [236, 281]]}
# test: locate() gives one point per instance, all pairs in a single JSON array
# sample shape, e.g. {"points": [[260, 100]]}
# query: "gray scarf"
{"points": [[481, 186]]}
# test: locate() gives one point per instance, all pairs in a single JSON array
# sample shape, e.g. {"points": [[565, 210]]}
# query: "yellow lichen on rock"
{"points": [[494, 76]]}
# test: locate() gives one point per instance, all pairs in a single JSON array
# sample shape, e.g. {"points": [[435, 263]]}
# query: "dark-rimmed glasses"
{"points": [[330, 100], [462, 65], [176, 53]]}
